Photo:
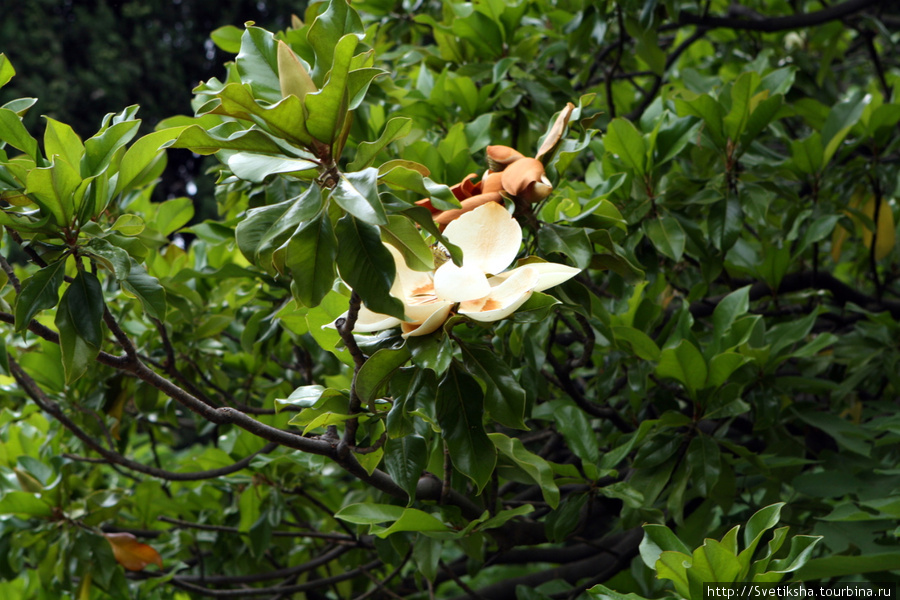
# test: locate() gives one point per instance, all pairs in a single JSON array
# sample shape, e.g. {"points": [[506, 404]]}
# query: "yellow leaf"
{"points": [[885, 237], [132, 554], [292, 75]]}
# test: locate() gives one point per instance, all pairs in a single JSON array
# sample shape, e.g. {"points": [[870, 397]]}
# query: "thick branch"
{"points": [[773, 24], [841, 292]]}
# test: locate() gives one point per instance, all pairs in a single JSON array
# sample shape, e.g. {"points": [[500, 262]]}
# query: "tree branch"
{"points": [[773, 24]]}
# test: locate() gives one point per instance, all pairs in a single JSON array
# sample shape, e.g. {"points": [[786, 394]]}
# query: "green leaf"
{"points": [[704, 460], [712, 561], [100, 149], [762, 520], [709, 110], [671, 565], [573, 424], [840, 565], [683, 363], [402, 519], [667, 236], [293, 74], [405, 459], [147, 290], [396, 128], [726, 220], [61, 140], [228, 38], [357, 193], [326, 32], [39, 292], [730, 308], [310, 256], [79, 314], [741, 93], [401, 174], [128, 225], [571, 241], [460, 408], [201, 141], [640, 342], [504, 397], [24, 504], [110, 257], [839, 122], [366, 265], [405, 237], [53, 189], [799, 554], [536, 467], [623, 138], [84, 298], [328, 107], [13, 132], [373, 377], [173, 215], [658, 539], [721, 366], [6, 70], [256, 167], [257, 63]]}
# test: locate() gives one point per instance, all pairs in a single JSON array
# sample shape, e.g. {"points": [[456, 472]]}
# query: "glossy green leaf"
{"points": [[683, 363], [704, 460], [6, 70], [840, 565], [623, 138], [375, 374], [460, 409], [61, 140], [571, 241], [658, 539], [405, 459], [53, 189], [721, 366], [228, 38], [173, 215], [147, 290], [357, 193], [257, 63], [100, 149], [78, 321], [726, 220], [14, 133], [310, 256], [504, 398], [667, 236], [536, 467], [396, 128], [327, 30], [24, 504], [39, 292], [201, 141], [328, 107], [256, 167], [641, 344], [366, 265], [395, 174], [406, 238]]}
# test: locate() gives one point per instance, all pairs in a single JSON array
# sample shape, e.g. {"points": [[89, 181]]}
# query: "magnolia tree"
{"points": [[504, 300]]}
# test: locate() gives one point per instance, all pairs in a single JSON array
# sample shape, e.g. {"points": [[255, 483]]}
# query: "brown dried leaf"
{"points": [[556, 132], [132, 554]]}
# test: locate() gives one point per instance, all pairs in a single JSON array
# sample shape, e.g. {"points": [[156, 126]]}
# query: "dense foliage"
{"points": [[661, 352]]}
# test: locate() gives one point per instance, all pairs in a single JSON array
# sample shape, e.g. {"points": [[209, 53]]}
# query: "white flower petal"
{"points": [[367, 321], [458, 284], [406, 281], [431, 324], [488, 236], [551, 274], [505, 298]]}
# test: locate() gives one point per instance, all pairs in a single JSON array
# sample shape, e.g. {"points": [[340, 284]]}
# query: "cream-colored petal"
{"points": [[505, 298], [367, 321], [431, 324], [407, 281], [551, 274], [458, 284], [488, 236], [418, 310]]}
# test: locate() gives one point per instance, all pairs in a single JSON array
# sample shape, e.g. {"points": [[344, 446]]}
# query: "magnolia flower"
{"points": [[509, 174], [480, 289]]}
